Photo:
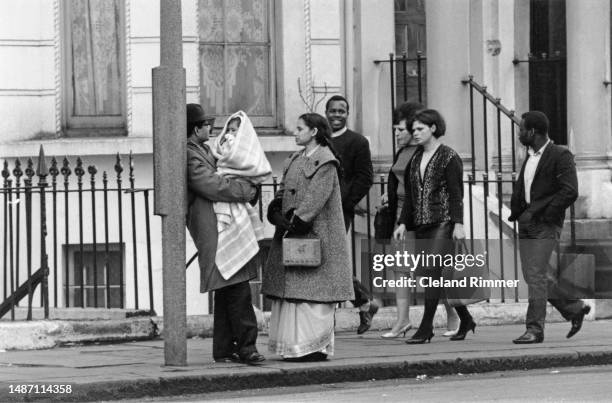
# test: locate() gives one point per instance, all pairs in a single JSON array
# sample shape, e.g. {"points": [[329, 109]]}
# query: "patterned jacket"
{"points": [[438, 197]]}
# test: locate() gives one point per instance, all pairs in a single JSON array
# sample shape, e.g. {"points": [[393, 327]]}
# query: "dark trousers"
{"points": [[441, 233], [537, 240], [362, 294], [235, 324]]}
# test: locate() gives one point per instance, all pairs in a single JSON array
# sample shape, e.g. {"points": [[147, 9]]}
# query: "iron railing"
{"points": [[88, 260], [398, 71]]}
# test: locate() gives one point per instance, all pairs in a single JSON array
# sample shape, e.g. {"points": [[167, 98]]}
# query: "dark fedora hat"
{"points": [[195, 114]]}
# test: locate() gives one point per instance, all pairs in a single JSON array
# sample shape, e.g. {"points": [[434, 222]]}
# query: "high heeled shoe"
{"points": [[464, 329], [421, 337], [395, 335]]}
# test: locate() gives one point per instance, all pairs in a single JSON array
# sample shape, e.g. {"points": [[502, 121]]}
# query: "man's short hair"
{"points": [[336, 98], [537, 121]]}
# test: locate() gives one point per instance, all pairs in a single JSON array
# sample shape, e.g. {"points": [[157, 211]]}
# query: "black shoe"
{"points": [[365, 318], [253, 358], [421, 336], [529, 338], [577, 321], [464, 328]]}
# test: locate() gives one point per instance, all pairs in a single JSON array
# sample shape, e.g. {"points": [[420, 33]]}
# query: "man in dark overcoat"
{"points": [[357, 178], [546, 187], [235, 324]]}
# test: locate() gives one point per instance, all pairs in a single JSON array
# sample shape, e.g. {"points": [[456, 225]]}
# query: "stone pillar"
{"points": [[170, 162], [448, 62], [588, 102], [371, 108]]}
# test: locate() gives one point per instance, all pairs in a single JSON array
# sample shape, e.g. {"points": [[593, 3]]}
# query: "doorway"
{"points": [[548, 65]]}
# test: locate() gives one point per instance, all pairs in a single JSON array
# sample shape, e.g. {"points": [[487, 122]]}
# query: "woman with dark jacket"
{"points": [[434, 210], [395, 196], [308, 204]]}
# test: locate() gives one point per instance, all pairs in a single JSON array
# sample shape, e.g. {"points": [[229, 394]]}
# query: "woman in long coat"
{"points": [[308, 204]]}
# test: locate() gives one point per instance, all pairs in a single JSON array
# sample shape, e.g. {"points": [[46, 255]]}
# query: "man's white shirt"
{"points": [[530, 168]]}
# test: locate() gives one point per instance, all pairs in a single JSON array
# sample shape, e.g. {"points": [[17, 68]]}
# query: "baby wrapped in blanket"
{"points": [[239, 154]]}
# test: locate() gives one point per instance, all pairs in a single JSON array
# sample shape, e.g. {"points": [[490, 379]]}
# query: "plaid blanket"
{"points": [[238, 224]]}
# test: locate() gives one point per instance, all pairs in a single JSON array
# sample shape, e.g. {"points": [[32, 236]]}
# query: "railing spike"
{"points": [[5, 170], [66, 171], [118, 165], [41, 169], [30, 169], [17, 172], [53, 170], [79, 171]]}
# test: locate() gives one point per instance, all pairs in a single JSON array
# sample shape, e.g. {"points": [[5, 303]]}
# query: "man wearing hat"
{"points": [[235, 324]]}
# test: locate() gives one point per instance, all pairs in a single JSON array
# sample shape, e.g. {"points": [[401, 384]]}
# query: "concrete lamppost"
{"points": [[170, 164]]}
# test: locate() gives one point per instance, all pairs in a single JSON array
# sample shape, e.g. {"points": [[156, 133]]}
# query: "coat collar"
{"points": [[320, 157]]}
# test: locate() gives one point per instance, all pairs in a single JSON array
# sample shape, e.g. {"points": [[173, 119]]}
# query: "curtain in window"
{"points": [[235, 56], [94, 52]]}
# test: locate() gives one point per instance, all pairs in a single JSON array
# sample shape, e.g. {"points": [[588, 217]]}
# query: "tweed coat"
{"points": [[204, 187], [310, 185]]}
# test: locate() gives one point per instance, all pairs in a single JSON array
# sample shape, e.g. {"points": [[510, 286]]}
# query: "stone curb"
{"points": [[35, 335], [268, 377]]}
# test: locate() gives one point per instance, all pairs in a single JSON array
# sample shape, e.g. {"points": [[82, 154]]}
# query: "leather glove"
{"points": [[275, 215], [299, 227]]}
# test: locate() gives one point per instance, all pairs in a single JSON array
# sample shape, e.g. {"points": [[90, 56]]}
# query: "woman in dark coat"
{"points": [[395, 196], [308, 204], [434, 210]]}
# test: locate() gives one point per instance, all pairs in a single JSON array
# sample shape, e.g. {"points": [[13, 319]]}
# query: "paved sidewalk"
{"points": [[130, 370]]}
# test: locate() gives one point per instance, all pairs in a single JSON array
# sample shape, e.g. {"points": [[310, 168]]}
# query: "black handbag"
{"points": [[383, 223]]}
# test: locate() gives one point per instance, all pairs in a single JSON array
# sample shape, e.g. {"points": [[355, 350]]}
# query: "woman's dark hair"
{"points": [[406, 111], [323, 136], [431, 117]]}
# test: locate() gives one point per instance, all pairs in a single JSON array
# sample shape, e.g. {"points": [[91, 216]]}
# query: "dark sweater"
{"points": [[354, 150], [438, 197]]}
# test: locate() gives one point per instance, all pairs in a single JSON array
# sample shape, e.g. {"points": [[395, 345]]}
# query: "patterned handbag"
{"points": [[304, 252]]}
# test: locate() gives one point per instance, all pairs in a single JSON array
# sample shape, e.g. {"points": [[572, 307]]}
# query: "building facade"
{"points": [[75, 77]]}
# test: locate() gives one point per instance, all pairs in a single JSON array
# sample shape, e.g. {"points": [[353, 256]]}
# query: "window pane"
{"points": [[94, 27], [212, 79], [247, 79], [245, 21], [235, 70], [211, 20]]}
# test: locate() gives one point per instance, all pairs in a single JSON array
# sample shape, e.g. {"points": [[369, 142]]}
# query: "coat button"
{"points": [[316, 163], [292, 191]]}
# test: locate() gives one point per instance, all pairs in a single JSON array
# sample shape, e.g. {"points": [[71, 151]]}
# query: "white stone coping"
{"points": [[114, 145]]}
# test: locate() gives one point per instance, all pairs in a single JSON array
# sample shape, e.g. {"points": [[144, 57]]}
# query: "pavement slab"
{"points": [[135, 369]]}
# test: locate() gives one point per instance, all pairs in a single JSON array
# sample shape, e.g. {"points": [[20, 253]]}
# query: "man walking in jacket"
{"points": [[235, 324], [546, 187], [355, 183]]}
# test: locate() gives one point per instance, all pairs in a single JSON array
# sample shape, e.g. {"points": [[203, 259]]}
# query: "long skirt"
{"points": [[298, 329]]}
